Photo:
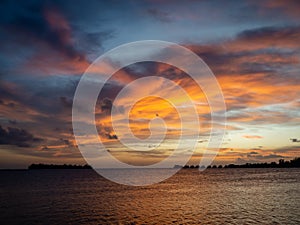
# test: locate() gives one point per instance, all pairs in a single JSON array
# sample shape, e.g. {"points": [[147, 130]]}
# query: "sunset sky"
{"points": [[252, 47]]}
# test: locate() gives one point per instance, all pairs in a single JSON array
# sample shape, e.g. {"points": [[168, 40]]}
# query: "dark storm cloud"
{"points": [[91, 42], [46, 95], [40, 22], [18, 137], [42, 104], [287, 36], [45, 37], [66, 102]]}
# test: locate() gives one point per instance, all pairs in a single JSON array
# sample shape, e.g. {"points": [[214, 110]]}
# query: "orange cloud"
{"points": [[252, 136]]}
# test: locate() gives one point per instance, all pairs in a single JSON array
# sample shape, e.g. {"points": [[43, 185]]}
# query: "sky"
{"points": [[252, 47]]}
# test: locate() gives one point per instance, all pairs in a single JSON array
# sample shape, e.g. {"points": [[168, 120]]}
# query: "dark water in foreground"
{"points": [[215, 196]]}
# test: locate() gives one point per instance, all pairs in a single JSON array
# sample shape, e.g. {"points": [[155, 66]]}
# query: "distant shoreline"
{"points": [[294, 163]]}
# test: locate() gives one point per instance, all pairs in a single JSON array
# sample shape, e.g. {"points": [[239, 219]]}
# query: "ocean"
{"points": [[214, 196]]}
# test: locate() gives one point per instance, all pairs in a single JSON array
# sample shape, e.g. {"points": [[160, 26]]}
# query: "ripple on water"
{"points": [[223, 196]]}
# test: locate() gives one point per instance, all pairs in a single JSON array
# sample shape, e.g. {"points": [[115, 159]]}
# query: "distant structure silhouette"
{"points": [[294, 163]]}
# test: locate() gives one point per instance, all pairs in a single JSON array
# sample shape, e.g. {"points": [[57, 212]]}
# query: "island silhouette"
{"points": [[54, 166]]}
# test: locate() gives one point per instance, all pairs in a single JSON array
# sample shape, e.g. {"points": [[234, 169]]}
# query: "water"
{"points": [[215, 196]]}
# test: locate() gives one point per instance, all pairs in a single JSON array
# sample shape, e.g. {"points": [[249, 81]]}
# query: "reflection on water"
{"points": [[137, 177], [220, 196]]}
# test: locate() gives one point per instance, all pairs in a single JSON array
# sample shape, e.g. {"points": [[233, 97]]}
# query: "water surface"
{"points": [[215, 196]]}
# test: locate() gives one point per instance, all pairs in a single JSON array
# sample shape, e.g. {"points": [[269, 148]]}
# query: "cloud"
{"points": [[267, 37], [266, 157], [66, 102], [40, 38], [106, 105], [291, 8], [252, 136], [160, 15], [253, 76], [252, 51], [112, 136], [45, 25], [258, 68], [253, 153], [18, 137], [254, 69], [13, 122], [288, 150], [228, 155], [295, 140]]}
